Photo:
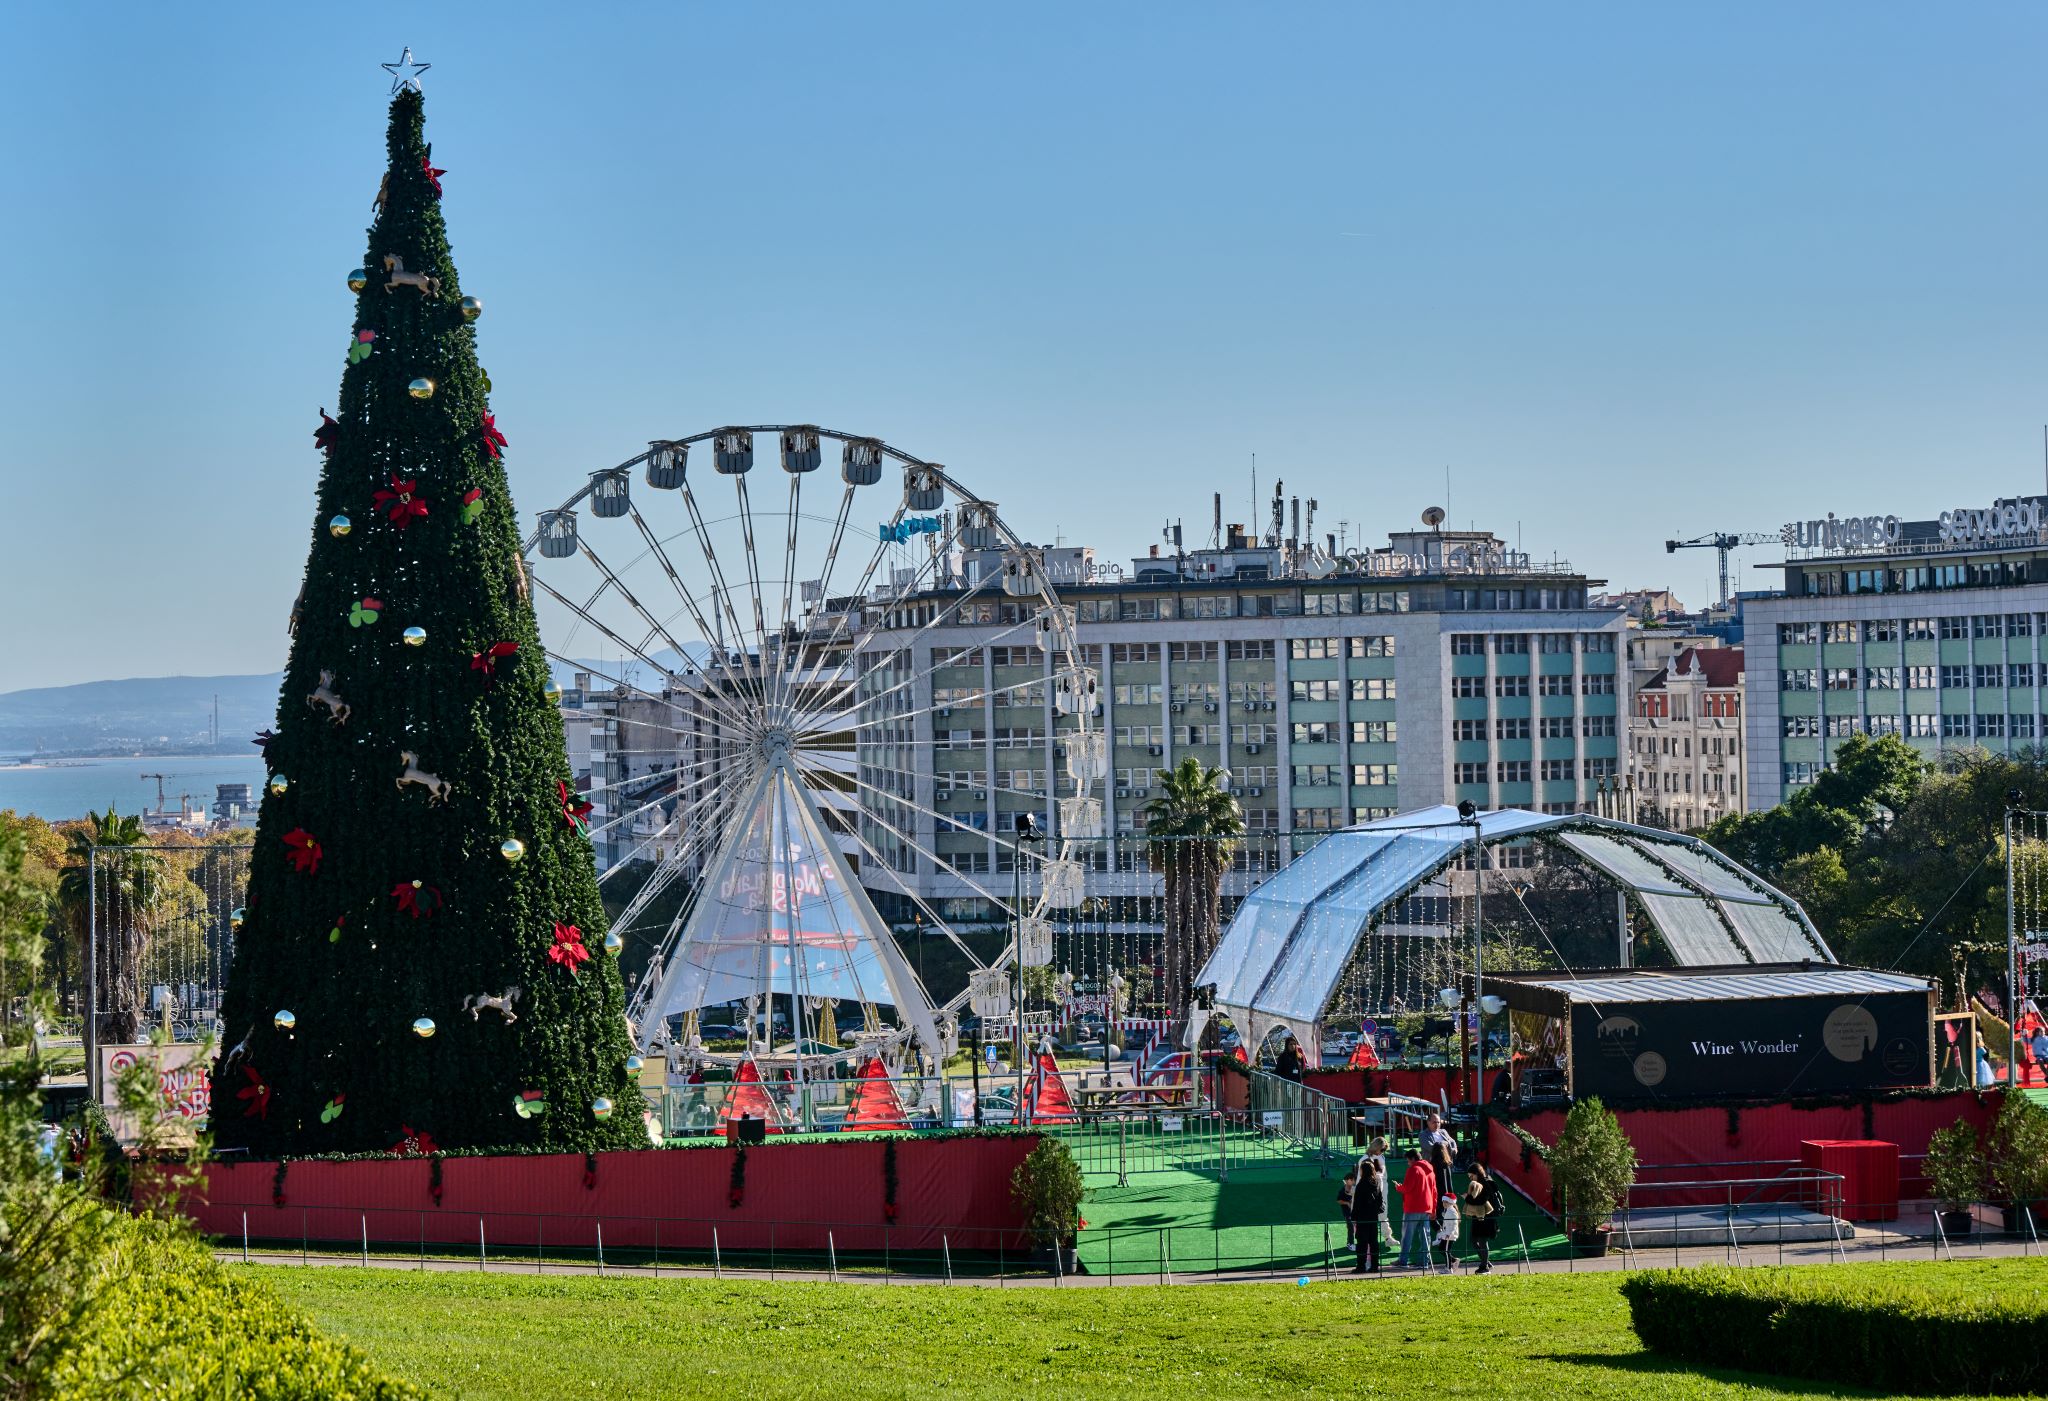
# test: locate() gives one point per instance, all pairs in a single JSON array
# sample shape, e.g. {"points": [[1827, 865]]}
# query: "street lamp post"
{"points": [[1027, 831], [2012, 955]]}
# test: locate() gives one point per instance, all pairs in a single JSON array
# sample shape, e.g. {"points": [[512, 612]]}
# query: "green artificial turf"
{"points": [[1527, 1337], [1269, 1212]]}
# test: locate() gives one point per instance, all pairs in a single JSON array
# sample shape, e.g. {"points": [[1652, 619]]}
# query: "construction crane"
{"points": [[1722, 541], [159, 777]]}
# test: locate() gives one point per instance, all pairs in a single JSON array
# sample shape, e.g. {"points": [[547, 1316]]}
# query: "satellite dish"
{"points": [[1433, 517]]}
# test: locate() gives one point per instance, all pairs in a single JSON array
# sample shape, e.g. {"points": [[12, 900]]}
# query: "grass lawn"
{"points": [[1532, 1336]]}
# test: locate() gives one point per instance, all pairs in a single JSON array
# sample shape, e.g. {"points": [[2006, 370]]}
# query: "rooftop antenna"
{"points": [[1255, 489], [1216, 526]]}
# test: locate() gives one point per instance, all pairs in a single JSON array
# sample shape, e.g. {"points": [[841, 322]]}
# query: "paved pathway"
{"points": [[1869, 1247]]}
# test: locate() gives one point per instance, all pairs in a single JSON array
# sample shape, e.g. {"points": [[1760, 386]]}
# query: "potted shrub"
{"points": [[1592, 1166], [2018, 1160], [1955, 1174], [1047, 1188]]}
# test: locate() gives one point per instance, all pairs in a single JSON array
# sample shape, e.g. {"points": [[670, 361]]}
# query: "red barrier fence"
{"points": [[1357, 1086], [1712, 1143], [794, 1190]]}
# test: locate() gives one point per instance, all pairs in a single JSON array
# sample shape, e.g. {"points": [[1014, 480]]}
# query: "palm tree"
{"points": [[1192, 827], [127, 890]]}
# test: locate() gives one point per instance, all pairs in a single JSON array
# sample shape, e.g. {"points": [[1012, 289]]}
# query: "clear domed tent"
{"points": [[1280, 961]]}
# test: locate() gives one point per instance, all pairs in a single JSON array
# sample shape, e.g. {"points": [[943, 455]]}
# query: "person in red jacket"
{"points": [[1418, 1207]]}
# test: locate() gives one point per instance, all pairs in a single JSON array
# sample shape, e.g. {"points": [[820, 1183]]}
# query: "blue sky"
{"points": [[1627, 271]]}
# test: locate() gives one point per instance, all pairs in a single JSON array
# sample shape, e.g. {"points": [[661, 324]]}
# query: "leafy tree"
{"points": [[382, 891], [1869, 783], [121, 903], [1192, 827]]}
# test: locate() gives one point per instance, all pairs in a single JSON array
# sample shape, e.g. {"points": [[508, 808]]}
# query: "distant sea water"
{"points": [[60, 790]]}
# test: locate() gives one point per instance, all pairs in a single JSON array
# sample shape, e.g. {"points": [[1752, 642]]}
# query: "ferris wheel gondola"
{"points": [[768, 672]]}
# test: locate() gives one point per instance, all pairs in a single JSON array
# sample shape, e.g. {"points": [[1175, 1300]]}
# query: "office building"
{"points": [[1929, 630]]}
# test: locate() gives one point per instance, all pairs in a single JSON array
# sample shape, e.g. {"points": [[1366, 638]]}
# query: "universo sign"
{"points": [[1842, 533]]}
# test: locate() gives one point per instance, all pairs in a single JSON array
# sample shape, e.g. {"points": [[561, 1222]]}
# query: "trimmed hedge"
{"points": [[175, 1324], [1896, 1334]]}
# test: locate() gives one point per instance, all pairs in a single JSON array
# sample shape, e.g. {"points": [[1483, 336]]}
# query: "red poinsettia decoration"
{"points": [[305, 851], [416, 1143], [487, 660], [573, 812], [257, 1092], [416, 898], [494, 441], [568, 948], [432, 172], [401, 502], [327, 434]]}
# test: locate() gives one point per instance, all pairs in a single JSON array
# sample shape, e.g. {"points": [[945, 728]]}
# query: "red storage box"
{"points": [[1869, 1169]]}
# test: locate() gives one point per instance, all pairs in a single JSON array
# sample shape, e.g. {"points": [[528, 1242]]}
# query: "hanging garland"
{"points": [[434, 1180], [736, 1189], [889, 1180], [589, 1172], [277, 1182]]}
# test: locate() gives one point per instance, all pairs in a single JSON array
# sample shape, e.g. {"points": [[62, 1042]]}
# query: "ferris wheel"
{"points": [[778, 681]]}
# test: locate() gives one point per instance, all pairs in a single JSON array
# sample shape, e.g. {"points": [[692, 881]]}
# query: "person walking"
{"points": [[1376, 1156], [1368, 1208], [1347, 1200], [1483, 1207], [1418, 1208], [1439, 1147], [1448, 1221]]}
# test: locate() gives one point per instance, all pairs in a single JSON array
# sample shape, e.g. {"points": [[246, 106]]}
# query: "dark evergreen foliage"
{"points": [[493, 735]]}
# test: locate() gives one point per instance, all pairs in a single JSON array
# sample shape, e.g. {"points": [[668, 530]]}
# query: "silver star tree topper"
{"points": [[405, 73]]}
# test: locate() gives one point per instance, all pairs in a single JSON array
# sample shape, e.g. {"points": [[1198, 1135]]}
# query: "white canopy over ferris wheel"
{"points": [[770, 669]]}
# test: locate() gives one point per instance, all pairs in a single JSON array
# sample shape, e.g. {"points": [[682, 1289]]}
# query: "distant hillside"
{"points": [[167, 713]]}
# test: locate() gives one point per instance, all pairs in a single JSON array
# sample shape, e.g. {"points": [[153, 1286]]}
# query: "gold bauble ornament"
{"points": [[278, 783], [472, 308], [634, 1065], [613, 943], [600, 1108], [423, 1028], [339, 526], [238, 918], [415, 637], [421, 388], [511, 848], [553, 690], [359, 279], [284, 1020]]}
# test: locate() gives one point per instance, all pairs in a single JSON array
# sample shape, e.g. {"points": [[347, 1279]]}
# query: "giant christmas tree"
{"points": [[421, 961]]}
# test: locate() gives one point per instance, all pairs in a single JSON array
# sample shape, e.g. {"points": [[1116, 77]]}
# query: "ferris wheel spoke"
{"points": [[906, 890], [721, 592], [704, 628], [908, 644], [602, 627], [656, 626], [782, 621], [912, 842], [896, 716], [787, 702], [903, 887], [681, 791], [722, 710], [754, 585]]}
